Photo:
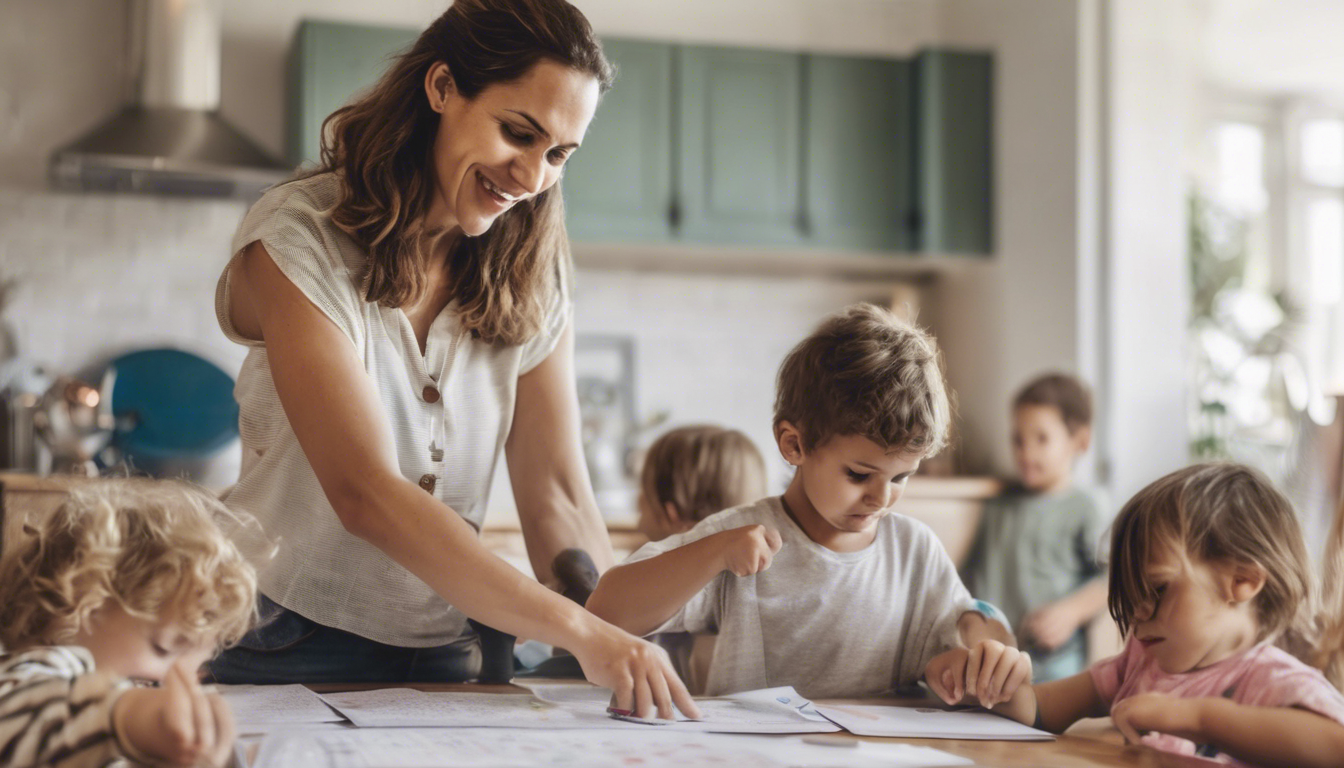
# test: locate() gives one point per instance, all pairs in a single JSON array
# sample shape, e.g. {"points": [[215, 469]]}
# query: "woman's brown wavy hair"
{"points": [[506, 279]]}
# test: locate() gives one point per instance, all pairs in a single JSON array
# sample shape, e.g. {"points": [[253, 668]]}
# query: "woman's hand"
{"points": [[638, 672], [177, 724], [989, 671]]}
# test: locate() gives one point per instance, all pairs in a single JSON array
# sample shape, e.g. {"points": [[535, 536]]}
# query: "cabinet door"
{"points": [[618, 185], [955, 98], [859, 185], [739, 141], [329, 64]]}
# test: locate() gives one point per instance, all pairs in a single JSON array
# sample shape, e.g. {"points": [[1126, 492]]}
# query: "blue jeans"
{"points": [[287, 647]]}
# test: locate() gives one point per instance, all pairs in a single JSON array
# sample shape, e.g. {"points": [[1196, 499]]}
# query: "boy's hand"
{"points": [[176, 724], [1051, 625], [749, 549], [989, 671]]}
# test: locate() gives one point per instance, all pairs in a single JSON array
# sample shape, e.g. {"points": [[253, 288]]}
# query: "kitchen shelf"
{"points": [[771, 262]]}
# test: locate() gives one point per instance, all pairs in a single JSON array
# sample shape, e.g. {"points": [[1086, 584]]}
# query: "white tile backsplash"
{"points": [[101, 274]]}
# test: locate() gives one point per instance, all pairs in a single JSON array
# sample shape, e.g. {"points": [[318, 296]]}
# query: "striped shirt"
{"points": [[55, 710]]}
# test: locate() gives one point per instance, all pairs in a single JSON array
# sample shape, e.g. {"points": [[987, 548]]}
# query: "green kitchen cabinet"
{"points": [[330, 63], [618, 185], [738, 146], [859, 159], [954, 179]]}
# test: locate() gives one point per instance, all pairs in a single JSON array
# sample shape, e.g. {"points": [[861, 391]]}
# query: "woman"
{"points": [[407, 312]]}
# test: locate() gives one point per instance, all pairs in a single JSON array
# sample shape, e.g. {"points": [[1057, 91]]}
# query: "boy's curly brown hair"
{"points": [[866, 372]]}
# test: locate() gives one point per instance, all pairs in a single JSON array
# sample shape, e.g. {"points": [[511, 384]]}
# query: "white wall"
{"points": [[1150, 77], [1020, 315]]}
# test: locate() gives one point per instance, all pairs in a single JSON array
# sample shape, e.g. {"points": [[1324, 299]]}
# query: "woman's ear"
{"points": [[790, 442], [438, 86], [1245, 582]]}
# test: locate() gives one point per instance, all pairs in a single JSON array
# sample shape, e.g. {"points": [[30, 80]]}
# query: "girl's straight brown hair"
{"points": [[506, 279], [1229, 513]]}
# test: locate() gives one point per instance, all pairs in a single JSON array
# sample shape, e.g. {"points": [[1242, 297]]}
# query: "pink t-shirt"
{"points": [[1261, 676]]}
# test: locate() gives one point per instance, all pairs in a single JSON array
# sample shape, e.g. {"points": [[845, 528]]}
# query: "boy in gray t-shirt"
{"points": [[1035, 555], [824, 588]]}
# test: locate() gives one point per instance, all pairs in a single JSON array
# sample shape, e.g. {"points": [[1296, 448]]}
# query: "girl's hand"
{"points": [[1158, 713], [177, 723], [638, 672], [989, 671], [749, 549]]}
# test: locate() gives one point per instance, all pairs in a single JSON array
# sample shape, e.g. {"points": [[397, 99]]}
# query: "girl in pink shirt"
{"points": [[1208, 570]]}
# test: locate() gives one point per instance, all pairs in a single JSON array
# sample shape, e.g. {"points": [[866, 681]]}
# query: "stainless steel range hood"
{"points": [[173, 141]]}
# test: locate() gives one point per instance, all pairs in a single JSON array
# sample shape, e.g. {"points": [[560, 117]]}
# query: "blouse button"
{"points": [[427, 482], [430, 394]]}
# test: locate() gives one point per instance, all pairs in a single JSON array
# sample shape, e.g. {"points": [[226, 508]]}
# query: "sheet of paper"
{"points": [[928, 723], [770, 710], [404, 707], [777, 710], [267, 706], [468, 747]]}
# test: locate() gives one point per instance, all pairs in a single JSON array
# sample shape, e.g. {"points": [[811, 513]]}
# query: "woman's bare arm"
{"points": [[550, 480], [334, 411]]}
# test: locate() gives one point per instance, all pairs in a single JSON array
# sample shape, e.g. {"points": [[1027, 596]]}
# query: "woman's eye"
{"points": [[897, 480], [160, 650], [857, 477], [516, 135], [558, 156]]}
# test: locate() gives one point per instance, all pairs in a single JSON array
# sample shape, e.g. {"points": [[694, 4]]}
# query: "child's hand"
{"points": [[1051, 625], [1157, 713], [989, 671], [749, 549], [177, 724]]}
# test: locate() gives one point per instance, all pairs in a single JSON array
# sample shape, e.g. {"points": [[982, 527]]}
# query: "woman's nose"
{"points": [[529, 170]]}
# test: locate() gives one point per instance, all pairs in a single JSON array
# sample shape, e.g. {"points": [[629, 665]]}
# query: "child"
{"points": [[1035, 554], [692, 472], [855, 600], [130, 580], [1209, 568], [689, 474]]}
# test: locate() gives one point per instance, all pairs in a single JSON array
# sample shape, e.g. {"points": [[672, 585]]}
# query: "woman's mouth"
{"points": [[494, 193]]}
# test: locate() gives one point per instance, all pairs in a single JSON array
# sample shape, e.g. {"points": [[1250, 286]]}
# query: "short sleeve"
{"points": [[1284, 681], [1090, 545], [939, 600], [544, 343], [319, 259], [699, 614]]}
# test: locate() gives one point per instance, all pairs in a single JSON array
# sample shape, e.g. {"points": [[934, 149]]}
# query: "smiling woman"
{"points": [[407, 309]]}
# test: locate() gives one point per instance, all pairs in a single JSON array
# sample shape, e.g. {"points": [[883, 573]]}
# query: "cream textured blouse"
{"points": [[459, 396]]}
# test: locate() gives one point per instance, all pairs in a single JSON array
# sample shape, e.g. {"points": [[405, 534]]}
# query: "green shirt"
{"points": [[1032, 549]]}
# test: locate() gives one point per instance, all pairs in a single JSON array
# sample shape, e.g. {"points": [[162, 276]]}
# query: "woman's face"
{"points": [[506, 145]]}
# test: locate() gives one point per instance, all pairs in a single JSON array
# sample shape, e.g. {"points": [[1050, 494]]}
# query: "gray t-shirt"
{"points": [[830, 624], [1031, 550]]}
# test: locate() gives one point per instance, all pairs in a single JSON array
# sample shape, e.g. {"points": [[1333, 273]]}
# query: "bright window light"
{"points": [[1323, 152], [1325, 249], [1240, 151]]}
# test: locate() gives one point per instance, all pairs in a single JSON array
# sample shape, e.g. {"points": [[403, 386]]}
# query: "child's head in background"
{"points": [[859, 404], [1052, 427], [1206, 562], [692, 472], [137, 571]]}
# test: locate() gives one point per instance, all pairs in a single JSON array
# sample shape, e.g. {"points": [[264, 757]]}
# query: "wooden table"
{"points": [[1089, 744]]}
